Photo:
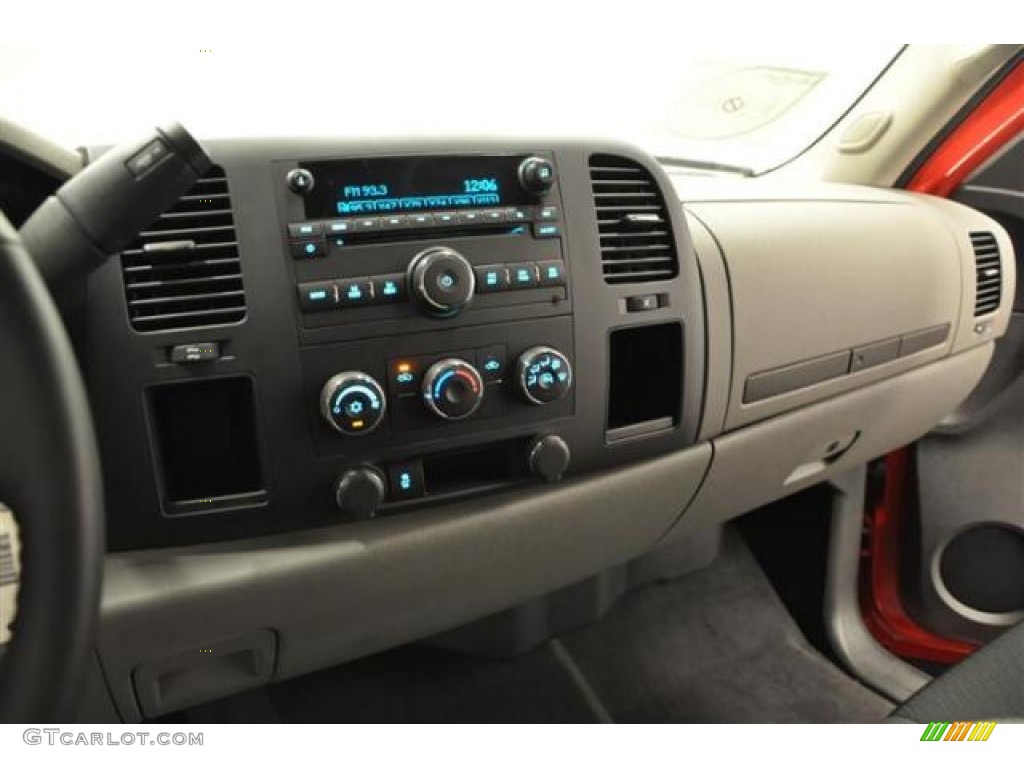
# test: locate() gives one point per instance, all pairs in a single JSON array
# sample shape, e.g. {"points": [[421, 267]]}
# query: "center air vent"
{"points": [[184, 270], [989, 272], [637, 244]]}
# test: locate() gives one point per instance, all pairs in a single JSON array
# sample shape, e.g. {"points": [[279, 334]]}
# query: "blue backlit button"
{"points": [[339, 227], [307, 249], [366, 224], [517, 214], [404, 374], [420, 220], [523, 275], [388, 289], [491, 277], [551, 272], [393, 222], [548, 213], [491, 362], [494, 216], [405, 480], [305, 229], [470, 217], [355, 292], [544, 229], [319, 296], [446, 219]]}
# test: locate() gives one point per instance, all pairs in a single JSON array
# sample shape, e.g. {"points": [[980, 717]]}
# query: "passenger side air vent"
{"points": [[184, 270], [989, 272], [637, 244]]}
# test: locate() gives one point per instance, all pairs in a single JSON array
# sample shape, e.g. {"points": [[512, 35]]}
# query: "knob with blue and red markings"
{"points": [[452, 389], [352, 403], [543, 375]]}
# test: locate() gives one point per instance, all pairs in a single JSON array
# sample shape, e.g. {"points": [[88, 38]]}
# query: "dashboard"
{"points": [[354, 394]]}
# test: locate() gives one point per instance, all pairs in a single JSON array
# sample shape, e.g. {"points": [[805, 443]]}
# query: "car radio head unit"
{"points": [[413, 184]]}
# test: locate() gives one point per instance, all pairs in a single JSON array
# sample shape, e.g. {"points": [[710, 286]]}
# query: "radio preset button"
{"points": [[342, 227], [305, 229], [418, 220], [548, 213], [366, 224], [470, 217], [517, 214], [494, 216], [393, 222], [446, 218]]}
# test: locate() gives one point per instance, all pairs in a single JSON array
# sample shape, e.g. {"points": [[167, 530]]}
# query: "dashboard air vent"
{"points": [[989, 272], [637, 244], [184, 270]]}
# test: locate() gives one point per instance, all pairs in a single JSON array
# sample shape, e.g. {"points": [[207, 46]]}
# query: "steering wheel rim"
{"points": [[50, 478]]}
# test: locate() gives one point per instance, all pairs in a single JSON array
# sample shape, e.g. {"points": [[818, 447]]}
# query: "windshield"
{"points": [[754, 107]]}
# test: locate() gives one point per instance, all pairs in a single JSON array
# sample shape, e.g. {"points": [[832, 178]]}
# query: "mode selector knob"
{"points": [[442, 280], [543, 375], [452, 389], [352, 402]]}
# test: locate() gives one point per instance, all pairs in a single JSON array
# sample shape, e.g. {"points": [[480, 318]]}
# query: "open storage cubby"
{"points": [[206, 444], [645, 380]]}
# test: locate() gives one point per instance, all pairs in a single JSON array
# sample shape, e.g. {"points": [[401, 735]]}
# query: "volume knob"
{"points": [[442, 280]]}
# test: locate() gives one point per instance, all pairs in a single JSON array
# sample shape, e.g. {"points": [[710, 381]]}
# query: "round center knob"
{"points": [[452, 388], [442, 280]]}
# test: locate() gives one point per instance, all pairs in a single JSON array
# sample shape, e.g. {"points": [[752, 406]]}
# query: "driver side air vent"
{"points": [[184, 270], [989, 272], [637, 244]]}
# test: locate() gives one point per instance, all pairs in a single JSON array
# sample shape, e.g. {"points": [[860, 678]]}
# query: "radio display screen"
{"points": [[403, 185]]}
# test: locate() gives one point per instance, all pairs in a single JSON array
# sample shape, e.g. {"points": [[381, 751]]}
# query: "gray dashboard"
{"points": [[798, 333]]}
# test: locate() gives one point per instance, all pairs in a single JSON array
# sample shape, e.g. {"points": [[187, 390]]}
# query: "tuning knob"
{"points": [[536, 175], [352, 403], [543, 375], [548, 457], [359, 492], [442, 280], [452, 389]]}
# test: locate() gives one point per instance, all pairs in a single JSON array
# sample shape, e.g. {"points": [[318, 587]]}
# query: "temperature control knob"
{"points": [[452, 389], [442, 281], [352, 403], [537, 175], [543, 375]]}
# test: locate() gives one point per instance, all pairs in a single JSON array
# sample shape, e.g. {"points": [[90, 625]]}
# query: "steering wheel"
{"points": [[50, 478]]}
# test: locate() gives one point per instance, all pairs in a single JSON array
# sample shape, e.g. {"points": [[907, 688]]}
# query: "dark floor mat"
{"points": [[418, 684], [715, 646]]}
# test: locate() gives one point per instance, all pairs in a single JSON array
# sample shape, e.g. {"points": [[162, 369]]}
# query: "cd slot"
{"points": [[399, 236]]}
